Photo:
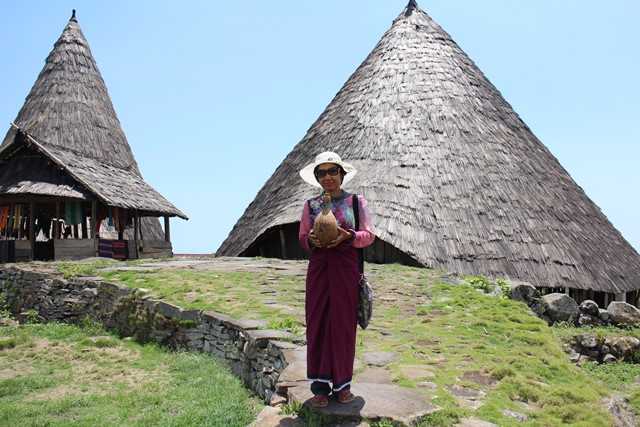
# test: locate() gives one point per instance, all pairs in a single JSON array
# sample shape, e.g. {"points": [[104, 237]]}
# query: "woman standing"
{"points": [[332, 280]]}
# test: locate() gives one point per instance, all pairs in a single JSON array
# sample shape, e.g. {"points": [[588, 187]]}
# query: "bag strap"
{"points": [[356, 215]]}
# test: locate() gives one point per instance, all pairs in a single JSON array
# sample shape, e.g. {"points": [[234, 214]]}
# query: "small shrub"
{"points": [[502, 372], [91, 326], [443, 418], [98, 342], [31, 316], [504, 286], [7, 342], [480, 282], [383, 423], [634, 357], [292, 408], [4, 308], [286, 323]]}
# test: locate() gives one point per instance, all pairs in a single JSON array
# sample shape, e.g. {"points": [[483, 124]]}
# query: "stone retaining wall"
{"points": [[256, 355]]}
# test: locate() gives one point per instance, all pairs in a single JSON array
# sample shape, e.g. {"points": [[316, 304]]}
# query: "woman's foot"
{"points": [[319, 401], [345, 396]]}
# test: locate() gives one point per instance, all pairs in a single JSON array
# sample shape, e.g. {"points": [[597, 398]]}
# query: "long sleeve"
{"points": [[364, 235], [305, 228]]}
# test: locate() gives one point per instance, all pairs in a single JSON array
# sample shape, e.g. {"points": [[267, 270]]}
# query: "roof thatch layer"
{"points": [[34, 174], [454, 178], [69, 118]]}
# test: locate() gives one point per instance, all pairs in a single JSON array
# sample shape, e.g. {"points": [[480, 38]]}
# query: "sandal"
{"points": [[319, 401], [345, 396]]}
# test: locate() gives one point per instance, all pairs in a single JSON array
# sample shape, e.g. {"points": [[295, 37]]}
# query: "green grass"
{"points": [[234, 293], [62, 375], [448, 329]]}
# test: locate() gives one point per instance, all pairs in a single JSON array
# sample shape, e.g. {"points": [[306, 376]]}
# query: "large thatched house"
{"points": [[69, 184], [454, 178]]}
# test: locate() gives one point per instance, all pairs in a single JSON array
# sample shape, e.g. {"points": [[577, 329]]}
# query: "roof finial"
{"points": [[413, 5], [73, 16]]}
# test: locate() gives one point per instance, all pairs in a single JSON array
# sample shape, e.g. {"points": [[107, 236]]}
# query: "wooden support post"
{"points": [[135, 234], [94, 233], [83, 226], [622, 296], [283, 244], [167, 229], [19, 221], [75, 231], [56, 224], [32, 231]]}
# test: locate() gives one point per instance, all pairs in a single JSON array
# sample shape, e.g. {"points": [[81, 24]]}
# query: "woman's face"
{"points": [[328, 175]]}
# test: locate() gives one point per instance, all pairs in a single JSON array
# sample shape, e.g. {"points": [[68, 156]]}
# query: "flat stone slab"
{"points": [[379, 358], [373, 401], [294, 374], [375, 375], [475, 422], [247, 324], [416, 371], [480, 378], [467, 397], [271, 417], [270, 334]]}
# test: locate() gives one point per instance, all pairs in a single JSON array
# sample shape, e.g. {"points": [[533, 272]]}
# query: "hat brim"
{"points": [[306, 173]]}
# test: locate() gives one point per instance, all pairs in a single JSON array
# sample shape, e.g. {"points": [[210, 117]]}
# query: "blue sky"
{"points": [[213, 95]]}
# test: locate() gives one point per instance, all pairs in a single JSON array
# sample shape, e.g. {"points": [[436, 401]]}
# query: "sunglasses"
{"points": [[320, 173]]}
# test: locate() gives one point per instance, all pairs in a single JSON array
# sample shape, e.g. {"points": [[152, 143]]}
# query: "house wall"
{"points": [[72, 249]]}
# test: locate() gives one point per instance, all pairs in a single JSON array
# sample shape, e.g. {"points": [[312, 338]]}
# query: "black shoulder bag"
{"points": [[365, 291]]}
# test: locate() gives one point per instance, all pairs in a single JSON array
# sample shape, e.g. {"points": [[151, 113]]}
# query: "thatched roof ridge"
{"points": [[69, 117], [454, 178]]}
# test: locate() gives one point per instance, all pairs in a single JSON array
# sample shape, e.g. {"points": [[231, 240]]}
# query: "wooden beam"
{"points": [[283, 244], [56, 224], [135, 234], [95, 234], [32, 231], [83, 225], [167, 230]]}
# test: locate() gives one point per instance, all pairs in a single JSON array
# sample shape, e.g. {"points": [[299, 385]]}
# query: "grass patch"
{"points": [[62, 375], [242, 295], [452, 330]]}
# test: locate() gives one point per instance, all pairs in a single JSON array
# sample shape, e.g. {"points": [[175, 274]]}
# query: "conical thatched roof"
{"points": [[454, 178], [68, 118]]}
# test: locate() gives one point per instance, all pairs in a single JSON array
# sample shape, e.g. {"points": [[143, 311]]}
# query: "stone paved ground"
{"points": [[425, 349], [375, 384]]}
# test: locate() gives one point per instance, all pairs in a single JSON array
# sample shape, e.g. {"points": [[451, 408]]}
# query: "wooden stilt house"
{"points": [[453, 176], [69, 184]]}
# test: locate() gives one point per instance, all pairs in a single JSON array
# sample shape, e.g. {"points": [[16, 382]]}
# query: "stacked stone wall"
{"points": [[256, 355]]}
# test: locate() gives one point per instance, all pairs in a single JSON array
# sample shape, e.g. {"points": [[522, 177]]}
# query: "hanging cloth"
{"points": [[72, 213], [4, 217], [17, 217], [43, 223], [116, 219]]}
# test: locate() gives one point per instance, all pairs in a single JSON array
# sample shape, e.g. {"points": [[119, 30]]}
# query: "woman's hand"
{"points": [[342, 236], [313, 239]]}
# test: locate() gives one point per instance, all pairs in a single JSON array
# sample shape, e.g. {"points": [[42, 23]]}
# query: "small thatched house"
{"points": [[454, 178], [69, 185]]}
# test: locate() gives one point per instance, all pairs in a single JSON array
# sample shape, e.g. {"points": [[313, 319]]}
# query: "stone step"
{"points": [[372, 402]]}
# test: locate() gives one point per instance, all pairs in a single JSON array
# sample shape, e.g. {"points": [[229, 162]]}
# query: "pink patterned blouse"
{"points": [[342, 208]]}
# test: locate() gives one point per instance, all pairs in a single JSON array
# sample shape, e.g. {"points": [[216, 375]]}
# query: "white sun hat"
{"points": [[326, 157]]}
